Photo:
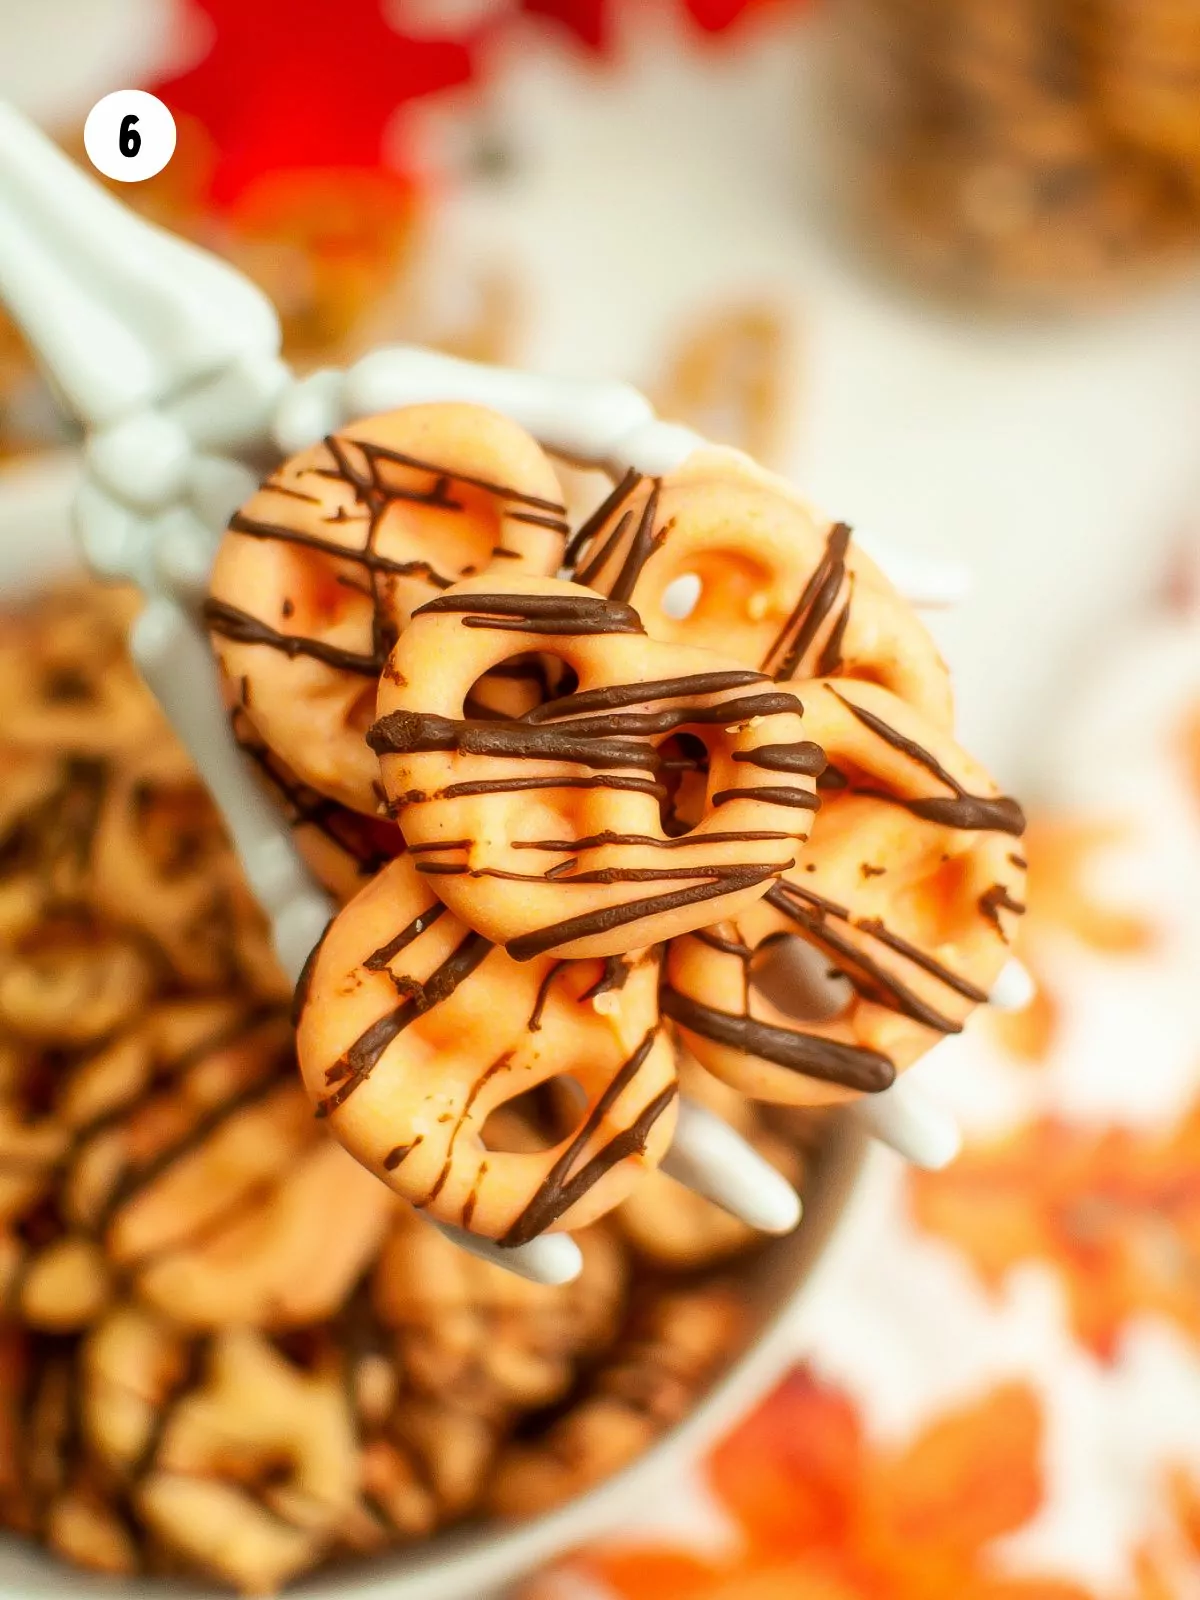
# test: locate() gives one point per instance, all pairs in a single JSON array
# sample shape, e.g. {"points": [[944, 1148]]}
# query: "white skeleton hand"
{"points": [[170, 360]]}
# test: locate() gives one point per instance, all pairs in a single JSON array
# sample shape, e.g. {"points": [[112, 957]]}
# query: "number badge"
{"points": [[129, 135]]}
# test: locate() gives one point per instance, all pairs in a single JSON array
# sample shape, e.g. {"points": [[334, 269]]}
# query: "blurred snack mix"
{"points": [[1025, 151], [226, 1351]]}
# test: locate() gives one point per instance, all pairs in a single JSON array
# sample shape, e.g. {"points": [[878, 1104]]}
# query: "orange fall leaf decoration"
{"points": [[826, 1515], [1114, 1211]]}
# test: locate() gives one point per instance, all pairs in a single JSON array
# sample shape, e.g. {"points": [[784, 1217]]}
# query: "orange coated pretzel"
{"points": [[66, 680], [287, 1256], [779, 588], [160, 861], [911, 892], [49, 808], [68, 982], [413, 1029], [321, 569], [545, 832], [254, 1466], [343, 849]]}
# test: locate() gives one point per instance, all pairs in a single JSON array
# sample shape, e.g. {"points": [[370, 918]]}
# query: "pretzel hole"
{"points": [[729, 588], [798, 979], [255, 1469], [536, 1120], [65, 683], [36, 1093], [682, 595], [41, 1224], [514, 686], [175, 826], [683, 773], [306, 1348]]}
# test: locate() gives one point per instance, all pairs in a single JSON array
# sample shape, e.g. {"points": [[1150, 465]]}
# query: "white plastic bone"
{"points": [[121, 314], [171, 360], [916, 1127], [175, 660], [708, 1156], [552, 1258], [1014, 988]]}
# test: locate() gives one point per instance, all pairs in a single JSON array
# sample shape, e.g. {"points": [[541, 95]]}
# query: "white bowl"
{"points": [[780, 1285]]}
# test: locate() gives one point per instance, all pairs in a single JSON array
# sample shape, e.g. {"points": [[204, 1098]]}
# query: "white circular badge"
{"points": [[129, 135]]}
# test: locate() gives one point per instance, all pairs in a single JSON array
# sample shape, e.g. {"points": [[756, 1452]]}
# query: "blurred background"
{"points": [[939, 262]]}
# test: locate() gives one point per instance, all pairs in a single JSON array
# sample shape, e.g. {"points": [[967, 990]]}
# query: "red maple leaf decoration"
{"points": [[587, 19], [591, 20], [293, 85]]}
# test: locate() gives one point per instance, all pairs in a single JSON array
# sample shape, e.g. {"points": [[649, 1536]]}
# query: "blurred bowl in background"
{"points": [[781, 1285]]}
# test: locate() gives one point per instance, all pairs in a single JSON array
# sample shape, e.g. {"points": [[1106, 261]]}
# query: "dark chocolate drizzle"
{"points": [[455, 791], [992, 900], [642, 546], [875, 929], [789, 897], [607, 508], [600, 560], [560, 1189], [535, 519], [476, 1089], [614, 977], [469, 1204], [534, 1025], [363, 1056], [777, 795], [304, 982], [831, 1061], [830, 661], [228, 622], [367, 558], [956, 810], [869, 978], [589, 924], [817, 600], [376, 452], [651, 841], [548, 614], [352, 833], [375, 496], [408, 732], [380, 959], [653, 724], [399, 1152], [614, 697], [600, 730], [716, 870], [798, 1050], [806, 758]]}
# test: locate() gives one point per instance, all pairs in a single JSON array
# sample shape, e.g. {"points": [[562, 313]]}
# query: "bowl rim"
{"points": [[476, 1560]]}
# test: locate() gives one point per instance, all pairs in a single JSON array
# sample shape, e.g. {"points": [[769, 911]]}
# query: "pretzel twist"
{"points": [[322, 568], [545, 833], [413, 1029], [912, 894], [780, 588]]}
